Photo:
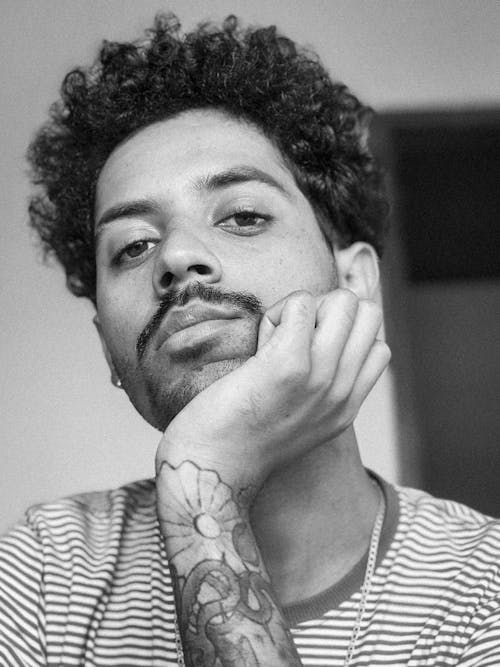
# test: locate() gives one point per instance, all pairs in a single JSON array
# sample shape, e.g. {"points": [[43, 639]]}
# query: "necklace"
{"points": [[365, 588], [178, 643], [367, 582]]}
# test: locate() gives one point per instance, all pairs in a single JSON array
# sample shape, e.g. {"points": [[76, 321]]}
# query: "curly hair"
{"points": [[256, 75]]}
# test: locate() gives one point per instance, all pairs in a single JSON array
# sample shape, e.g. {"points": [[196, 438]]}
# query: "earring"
{"points": [[117, 382]]}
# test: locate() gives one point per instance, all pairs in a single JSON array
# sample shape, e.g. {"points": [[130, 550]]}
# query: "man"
{"points": [[213, 195]]}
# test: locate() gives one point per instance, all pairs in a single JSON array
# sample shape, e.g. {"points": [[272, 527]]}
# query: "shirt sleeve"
{"points": [[483, 650], [21, 600]]}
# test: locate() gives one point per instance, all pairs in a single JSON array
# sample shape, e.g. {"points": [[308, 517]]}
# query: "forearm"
{"points": [[225, 604]]}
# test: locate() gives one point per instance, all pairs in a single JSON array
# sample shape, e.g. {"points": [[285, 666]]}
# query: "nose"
{"points": [[184, 258]]}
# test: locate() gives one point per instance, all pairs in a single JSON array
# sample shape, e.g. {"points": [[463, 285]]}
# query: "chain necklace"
{"points": [[178, 643], [367, 582], [365, 589]]}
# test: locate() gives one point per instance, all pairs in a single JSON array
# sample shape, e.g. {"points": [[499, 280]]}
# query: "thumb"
{"points": [[295, 313], [266, 330], [270, 320]]}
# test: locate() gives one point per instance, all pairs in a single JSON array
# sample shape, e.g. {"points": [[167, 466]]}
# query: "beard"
{"points": [[167, 400], [172, 381]]}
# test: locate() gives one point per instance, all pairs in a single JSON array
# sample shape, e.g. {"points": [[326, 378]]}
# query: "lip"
{"points": [[183, 318]]}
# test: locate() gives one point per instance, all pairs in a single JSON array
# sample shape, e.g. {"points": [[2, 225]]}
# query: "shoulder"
{"points": [[447, 519], [449, 539], [92, 519], [79, 538], [447, 557], [63, 558], [98, 505]]}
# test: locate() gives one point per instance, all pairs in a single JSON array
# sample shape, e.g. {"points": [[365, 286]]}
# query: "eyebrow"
{"points": [[237, 175], [210, 183], [129, 209]]}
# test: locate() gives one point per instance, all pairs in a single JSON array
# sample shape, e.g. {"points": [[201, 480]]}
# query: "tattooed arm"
{"points": [[225, 605], [316, 361]]}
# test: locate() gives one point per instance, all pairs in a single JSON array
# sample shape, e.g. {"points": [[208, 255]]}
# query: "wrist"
{"points": [[235, 473], [202, 517]]}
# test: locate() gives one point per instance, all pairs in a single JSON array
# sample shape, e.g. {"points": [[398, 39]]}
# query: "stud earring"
{"points": [[117, 382]]}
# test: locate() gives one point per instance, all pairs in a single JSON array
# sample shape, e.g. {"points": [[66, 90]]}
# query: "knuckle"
{"points": [[347, 297], [302, 300], [340, 303], [295, 373], [348, 419], [371, 312], [317, 386], [371, 307], [348, 303], [383, 350], [341, 296], [339, 395], [300, 295]]}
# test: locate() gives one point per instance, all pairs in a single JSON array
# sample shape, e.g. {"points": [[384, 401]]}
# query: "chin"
{"points": [[169, 382], [166, 401]]}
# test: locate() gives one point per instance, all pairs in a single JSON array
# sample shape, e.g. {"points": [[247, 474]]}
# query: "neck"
{"points": [[313, 519]]}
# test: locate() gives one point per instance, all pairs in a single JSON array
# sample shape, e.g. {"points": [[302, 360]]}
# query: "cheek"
{"points": [[120, 345], [304, 265], [273, 274], [121, 326], [317, 260]]}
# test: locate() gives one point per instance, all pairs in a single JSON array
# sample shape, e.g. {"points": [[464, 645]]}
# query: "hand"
{"points": [[316, 361]]}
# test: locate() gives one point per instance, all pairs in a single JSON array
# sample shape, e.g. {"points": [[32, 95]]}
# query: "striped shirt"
{"points": [[85, 581]]}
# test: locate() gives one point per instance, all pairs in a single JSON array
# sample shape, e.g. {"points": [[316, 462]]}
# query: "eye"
{"points": [[245, 222], [134, 250]]}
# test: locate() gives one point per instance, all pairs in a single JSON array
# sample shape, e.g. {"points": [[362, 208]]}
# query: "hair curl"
{"points": [[256, 75]]}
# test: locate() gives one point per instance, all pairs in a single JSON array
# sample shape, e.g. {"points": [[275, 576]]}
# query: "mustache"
{"points": [[244, 301]]}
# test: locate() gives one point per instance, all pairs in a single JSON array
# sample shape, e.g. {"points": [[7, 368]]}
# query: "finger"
{"points": [[359, 343], [266, 330], [270, 321], [274, 312], [335, 319], [375, 364], [288, 326]]}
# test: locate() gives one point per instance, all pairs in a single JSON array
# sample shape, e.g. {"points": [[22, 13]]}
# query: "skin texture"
{"points": [[257, 408], [193, 237], [226, 606]]}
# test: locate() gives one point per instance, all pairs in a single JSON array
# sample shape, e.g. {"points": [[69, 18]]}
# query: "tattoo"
{"points": [[227, 613]]}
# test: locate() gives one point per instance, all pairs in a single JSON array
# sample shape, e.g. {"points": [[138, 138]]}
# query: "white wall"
{"points": [[64, 428]]}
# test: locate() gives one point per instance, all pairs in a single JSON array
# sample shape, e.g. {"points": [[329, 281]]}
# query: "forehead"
{"points": [[174, 154]]}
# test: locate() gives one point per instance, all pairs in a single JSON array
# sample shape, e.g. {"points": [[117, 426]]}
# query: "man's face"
{"points": [[200, 228]]}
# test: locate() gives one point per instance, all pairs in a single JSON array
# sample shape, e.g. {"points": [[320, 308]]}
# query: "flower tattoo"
{"points": [[199, 500], [227, 614]]}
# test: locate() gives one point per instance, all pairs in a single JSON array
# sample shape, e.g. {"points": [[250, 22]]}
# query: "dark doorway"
{"points": [[442, 290]]}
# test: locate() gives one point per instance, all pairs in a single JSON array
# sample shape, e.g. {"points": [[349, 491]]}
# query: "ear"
{"points": [[114, 375], [357, 268]]}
